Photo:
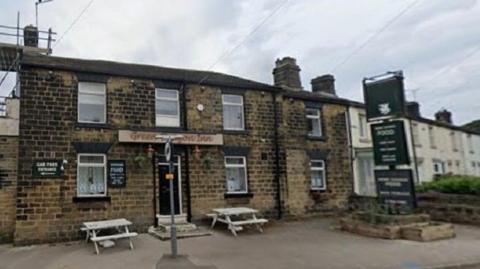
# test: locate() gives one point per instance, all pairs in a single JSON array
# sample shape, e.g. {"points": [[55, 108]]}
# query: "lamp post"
{"points": [[36, 9], [168, 156]]}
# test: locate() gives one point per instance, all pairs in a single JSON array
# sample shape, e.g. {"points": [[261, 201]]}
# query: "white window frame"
{"points": [[176, 99], [317, 117], [441, 164], [233, 104], [323, 169], [244, 165], [362, 126], [80, 83], [104, 165]]}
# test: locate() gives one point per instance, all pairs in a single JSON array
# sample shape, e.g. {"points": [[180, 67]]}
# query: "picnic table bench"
{"points": [[247, 215], [94, 228]]}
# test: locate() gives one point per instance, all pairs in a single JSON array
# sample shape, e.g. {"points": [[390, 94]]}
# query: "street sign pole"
{"points": [[173, 227]]}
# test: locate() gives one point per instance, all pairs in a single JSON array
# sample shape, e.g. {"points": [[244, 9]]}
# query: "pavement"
{"points": [[313, 243]]}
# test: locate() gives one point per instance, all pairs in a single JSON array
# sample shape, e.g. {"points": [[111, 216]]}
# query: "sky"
{"points": [[435, 42]]}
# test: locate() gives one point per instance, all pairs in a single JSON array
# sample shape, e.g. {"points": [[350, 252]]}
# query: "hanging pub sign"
{"points": [[396, 188], [389, 143], [47, 168], [384, 98], [117, 173]]}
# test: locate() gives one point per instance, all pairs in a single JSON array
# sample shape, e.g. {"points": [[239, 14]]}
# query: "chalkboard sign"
{"points": [[47, 168], [396, 188], [117, 174]]}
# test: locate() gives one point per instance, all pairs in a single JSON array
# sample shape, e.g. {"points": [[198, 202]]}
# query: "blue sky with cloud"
{"points": [[430, 42]]}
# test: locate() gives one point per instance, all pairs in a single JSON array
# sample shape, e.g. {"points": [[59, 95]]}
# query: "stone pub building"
{"points": [[91, 136]]}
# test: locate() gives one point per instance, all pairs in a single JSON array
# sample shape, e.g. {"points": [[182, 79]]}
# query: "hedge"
{"points": [[452, 184]]}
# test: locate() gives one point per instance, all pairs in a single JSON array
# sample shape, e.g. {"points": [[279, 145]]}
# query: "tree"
{"points": [[473, 126]]}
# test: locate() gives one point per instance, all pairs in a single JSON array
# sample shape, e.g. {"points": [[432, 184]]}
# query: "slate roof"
{"points": [[143, 71]]}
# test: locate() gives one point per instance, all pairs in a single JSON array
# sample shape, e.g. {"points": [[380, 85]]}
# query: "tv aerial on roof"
{"points": [[36, 9]]}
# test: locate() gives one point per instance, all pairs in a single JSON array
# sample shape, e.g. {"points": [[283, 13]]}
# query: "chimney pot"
{"points": [[324, 84], [286, 74], [413, 109], [444, 116], [30, 36]]}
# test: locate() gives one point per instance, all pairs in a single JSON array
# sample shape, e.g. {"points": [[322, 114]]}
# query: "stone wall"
{"points": [[299, 198], [451, 207], [8, 186]]}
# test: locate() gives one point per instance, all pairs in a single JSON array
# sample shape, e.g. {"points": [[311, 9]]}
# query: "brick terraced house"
{"points": [[91, 137]]}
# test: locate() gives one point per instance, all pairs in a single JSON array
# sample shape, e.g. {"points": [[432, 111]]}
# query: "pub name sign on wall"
{"points": [[186, 138]]}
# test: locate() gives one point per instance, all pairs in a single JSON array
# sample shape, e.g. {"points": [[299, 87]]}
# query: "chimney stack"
{"points": [[444, 116], [30, 36], [413, 109], [324, 84], [286, 74]]}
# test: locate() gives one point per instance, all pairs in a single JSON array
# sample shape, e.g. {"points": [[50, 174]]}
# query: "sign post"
{"points": [[168, 156], [173, 227], [385, 100]]}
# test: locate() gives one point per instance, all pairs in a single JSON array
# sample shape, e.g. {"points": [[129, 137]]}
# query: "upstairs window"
{"points": [[431, 136], [314, 122], [167, 108], [236, 171], [470, 143], [233, 118], [362, 125], [318, 178], [91, 175], [416, 134], [91, 102], [453, 138]]}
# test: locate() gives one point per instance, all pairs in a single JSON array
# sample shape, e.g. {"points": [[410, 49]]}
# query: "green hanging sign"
{"points": [[384, 98]]}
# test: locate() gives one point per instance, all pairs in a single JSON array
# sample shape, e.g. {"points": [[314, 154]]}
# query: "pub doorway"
{"points": [[164, 190]]}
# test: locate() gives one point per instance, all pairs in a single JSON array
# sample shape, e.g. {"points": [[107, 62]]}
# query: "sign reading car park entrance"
{"points": [[395, 187], [47, 168], [384, 98], [389, 143]]}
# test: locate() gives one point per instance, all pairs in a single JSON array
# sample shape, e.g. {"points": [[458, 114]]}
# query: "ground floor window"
{"points": [[366, 177], [91, 175], [438, 167], [236, 171], [317, 170]]}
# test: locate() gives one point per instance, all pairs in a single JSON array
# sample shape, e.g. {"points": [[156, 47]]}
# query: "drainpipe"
{"points": [[350, 147], [277, 156], [414, 152], [154, 199], [187, 155]]}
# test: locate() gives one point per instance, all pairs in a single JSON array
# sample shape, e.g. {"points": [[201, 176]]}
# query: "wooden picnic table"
{"points": [[94, 228], [247, 217]]}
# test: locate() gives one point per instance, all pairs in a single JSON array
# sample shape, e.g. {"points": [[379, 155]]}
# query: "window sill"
{"points": [[237, 132], [93, 125], [316, 138], [238, 195], [317, 190], [365, 140], [88, 199], [169, 128]]}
